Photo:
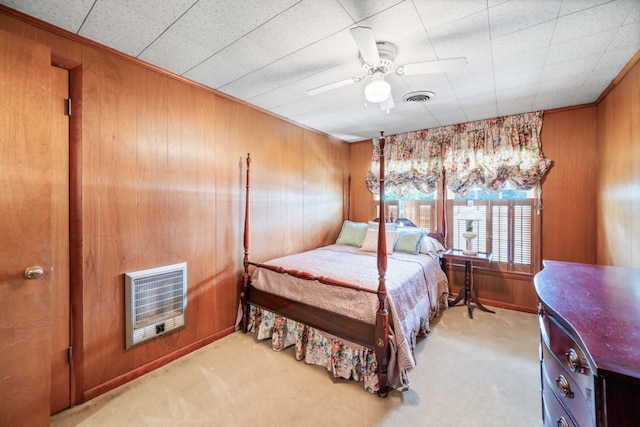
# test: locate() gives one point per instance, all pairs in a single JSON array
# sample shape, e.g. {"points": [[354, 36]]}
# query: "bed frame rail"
{"points": [[339, 325], [308, 276]]}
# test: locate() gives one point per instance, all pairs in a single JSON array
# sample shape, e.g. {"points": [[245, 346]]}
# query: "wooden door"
{"points": [[25, 231], [60, 314]]}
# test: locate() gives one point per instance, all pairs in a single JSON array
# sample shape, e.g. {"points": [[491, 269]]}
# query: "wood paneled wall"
{"points": [[568, 189], [361, 198], [162, 181], [618, 188]]}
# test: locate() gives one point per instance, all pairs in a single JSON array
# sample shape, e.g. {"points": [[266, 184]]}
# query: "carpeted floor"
{"points": [[471, 372]]}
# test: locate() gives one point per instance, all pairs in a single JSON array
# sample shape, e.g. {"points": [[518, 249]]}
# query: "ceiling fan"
{"points": [[378, 60]]}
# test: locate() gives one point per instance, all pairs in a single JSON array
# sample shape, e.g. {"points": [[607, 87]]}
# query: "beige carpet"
{"points": [[471, 372]]}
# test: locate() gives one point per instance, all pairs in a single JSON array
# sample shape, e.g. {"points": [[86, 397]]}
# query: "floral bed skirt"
{"points": [[342, 358]]}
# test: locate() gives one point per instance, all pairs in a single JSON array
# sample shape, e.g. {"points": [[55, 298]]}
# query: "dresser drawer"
{"points": [[568, 353], [556, 379], [554, 414]]}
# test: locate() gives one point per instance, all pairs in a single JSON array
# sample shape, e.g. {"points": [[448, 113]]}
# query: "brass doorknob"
{"points": [[34, 272]]}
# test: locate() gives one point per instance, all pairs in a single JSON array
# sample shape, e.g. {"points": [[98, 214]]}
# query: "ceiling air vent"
{"points": [[419, 97]]}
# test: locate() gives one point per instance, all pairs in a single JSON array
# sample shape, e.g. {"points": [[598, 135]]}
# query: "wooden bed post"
{"points": [[382, 315], [245, 277], [443, 221], [349, 200]]}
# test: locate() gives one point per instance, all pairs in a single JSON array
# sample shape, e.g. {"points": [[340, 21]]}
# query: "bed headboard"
{"points": [[406, 222]]}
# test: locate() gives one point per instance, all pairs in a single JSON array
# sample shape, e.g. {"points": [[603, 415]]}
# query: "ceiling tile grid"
{"points": [[521, 55]]}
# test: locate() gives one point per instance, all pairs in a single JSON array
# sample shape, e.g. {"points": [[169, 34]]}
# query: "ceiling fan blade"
{"points": [[387, 104], [428, 67], [332, 86], [363, 36]]}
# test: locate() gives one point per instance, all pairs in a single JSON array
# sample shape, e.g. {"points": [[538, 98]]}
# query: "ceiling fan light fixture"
{"points": [[377, 90]]}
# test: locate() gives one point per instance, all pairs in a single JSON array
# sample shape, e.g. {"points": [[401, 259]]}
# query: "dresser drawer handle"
{"points": [[564, 387], [561, 422], [573, 359]]}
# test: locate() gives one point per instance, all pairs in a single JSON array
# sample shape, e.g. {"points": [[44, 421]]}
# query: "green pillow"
{"points": [[409, 240], [352, 233]]}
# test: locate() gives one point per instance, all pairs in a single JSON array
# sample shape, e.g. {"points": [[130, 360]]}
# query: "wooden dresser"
{"points": [[590, 344]]}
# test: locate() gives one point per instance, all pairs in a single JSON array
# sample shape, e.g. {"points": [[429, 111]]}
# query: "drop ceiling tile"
{"points": [[516, 100], [246, 54], [296, 110], [129, 26], [481, 112], [418, 117], [284, 101], [516, 106], [517, 92], [612, 61], [331, 116], [557, 93], [416, 48], [520, 63], [215, 24], [445, 118], [604, 17], [395, 24], [518, 15], [478, 53], [513, 81], [433, 82], [311, 63], [67, 14], [475, 101], [306, 22], [628, 36], [573, 6], [520, 42], [485, 88], [216, 71], [578, 68], [474, 73], [634, 14], [555, 99], [175, 53], [455, 39], [445, 103], [441, 12], [575, 49], [359, 10], [593, 88]]}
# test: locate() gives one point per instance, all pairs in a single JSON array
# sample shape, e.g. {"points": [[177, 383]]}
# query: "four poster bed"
{"points": [[355, 307]]}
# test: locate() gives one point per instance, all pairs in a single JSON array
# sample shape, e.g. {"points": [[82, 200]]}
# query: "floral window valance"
{"points": [[486, 154], [489, 154], [413, 160]]}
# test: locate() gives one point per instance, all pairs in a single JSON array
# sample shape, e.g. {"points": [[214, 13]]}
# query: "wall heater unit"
{"points": [[155, 302]]}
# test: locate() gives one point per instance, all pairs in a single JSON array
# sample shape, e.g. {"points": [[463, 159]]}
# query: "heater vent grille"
{"points": [[156, 302]]}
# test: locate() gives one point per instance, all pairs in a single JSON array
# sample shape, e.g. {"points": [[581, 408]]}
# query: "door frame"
{"points": [[76, 234]]}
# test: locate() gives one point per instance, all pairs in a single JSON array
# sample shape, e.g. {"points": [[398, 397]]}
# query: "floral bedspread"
{"points": [[416, 289]]}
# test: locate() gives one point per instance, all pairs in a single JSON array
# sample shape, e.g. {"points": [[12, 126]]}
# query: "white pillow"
{"points": [[388, 226], [431, 246], [370, 243]]}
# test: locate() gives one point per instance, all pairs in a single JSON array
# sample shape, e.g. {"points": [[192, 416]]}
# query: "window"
{"points": [[502, 156], [417, 207], [509, 229]]}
